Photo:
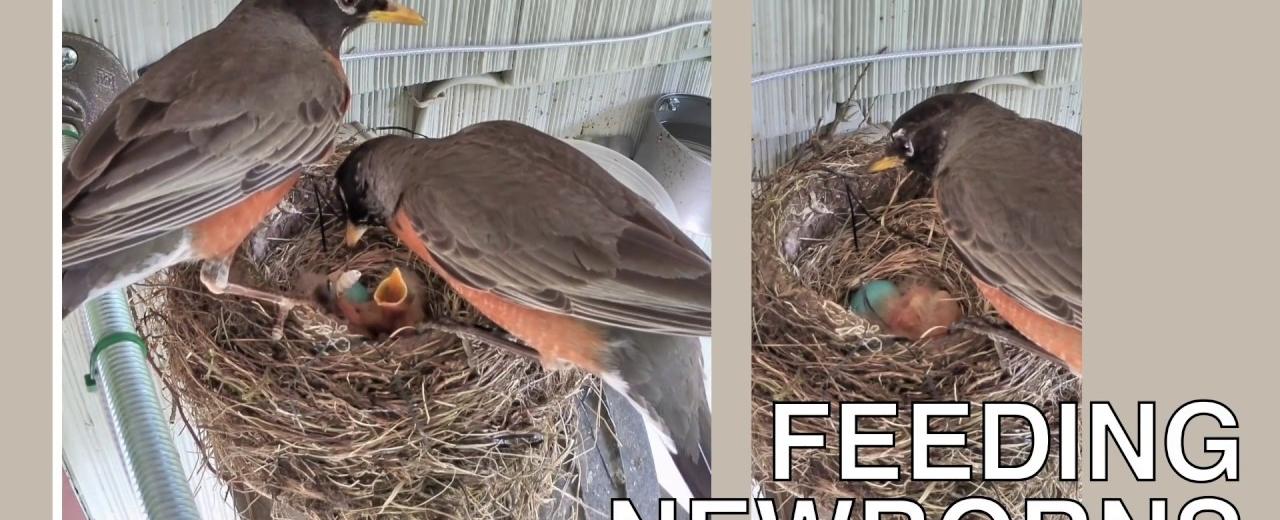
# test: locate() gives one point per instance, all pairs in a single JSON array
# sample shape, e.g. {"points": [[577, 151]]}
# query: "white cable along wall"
{"points": [[790, 34]]}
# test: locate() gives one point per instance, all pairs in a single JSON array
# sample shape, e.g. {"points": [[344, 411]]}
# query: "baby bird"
{"points": [[395, 303], [916, 310]]}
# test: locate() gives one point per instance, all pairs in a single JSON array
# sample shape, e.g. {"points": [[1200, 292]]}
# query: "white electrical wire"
{"points": [[910, 54], [520, 46]]}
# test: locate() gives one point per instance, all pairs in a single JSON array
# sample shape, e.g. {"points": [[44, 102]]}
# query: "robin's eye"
{"points": [[909, 148], [347, 6]]}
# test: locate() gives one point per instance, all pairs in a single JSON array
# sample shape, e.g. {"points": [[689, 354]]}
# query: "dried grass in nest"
{"points": [[809, 347], [333, 426]]}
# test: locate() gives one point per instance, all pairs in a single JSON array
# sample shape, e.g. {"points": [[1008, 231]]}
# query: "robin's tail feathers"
{"points": [[75, 290], [84, 281], [663, 378]]}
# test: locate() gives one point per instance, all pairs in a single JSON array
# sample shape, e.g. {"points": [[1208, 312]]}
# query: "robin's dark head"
{"points": [[367, 200], [919, 136], [332, 20]]}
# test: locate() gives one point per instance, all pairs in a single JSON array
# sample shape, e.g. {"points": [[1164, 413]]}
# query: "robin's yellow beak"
{"points": [[354, 232], [888, 162], [396, 14]]}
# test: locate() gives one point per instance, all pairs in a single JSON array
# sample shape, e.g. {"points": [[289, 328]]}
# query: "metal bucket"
{"points": [[676, 149], [630, 174]]}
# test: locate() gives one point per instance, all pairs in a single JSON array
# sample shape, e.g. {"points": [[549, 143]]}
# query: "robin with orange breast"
{"points": [[186, 161], [549, 246], [1009, 192]]}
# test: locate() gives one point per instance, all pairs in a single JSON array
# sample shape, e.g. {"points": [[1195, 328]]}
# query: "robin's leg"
{"points": [[479, 335], [1002, 336], [216, 276]]}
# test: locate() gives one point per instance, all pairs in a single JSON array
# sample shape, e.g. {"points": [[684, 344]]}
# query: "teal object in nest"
{"points": [[871, 301], [358, 293]]}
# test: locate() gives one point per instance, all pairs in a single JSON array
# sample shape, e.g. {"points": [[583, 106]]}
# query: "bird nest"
{"points": [[808, 346], [328, 424]]}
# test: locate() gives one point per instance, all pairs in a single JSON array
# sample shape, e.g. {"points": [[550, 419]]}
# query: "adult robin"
{"points": [[1009, 192], [186, 161], [549, 246]]}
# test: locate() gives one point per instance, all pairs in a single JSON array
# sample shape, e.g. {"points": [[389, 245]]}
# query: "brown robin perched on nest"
{"points": [[187, 160], [1009, 192], [549, 246]]}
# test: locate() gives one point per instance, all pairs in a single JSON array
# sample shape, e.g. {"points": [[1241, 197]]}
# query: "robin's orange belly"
{"points": [[1061, 340], [219, 235], [556, 337]]}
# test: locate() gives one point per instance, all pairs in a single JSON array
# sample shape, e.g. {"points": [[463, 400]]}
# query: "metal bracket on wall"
{"points": [[436, 89], [1030, 80], [91, 77]]}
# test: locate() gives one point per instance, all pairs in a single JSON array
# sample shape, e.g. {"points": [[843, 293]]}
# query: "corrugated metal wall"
{"points": [[592, 91], [793, 33]]}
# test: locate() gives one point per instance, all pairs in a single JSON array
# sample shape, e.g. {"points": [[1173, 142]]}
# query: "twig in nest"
{"points": [[853, 215], [478, 335], [176, 401], [843, 109], [515, 439], [324, 242], [855, 203]]}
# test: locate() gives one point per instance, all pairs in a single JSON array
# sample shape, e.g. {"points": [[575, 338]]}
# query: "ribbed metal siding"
{"points": [[1067, 25], [609, 104], [790, 33], [592, 90], [556, 20], [142, 31]]}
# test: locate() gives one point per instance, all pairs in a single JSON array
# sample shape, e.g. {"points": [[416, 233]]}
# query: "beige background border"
{"points": [[731, 284], [1180, 228], [28, 481]]}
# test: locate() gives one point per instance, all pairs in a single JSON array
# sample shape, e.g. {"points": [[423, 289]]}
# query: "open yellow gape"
{"points": [[392, 293]]}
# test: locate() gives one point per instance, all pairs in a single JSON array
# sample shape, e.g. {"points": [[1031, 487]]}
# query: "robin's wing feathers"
{"points": [[194, 136], [1014, 217], [509, 210]]}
